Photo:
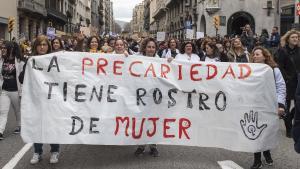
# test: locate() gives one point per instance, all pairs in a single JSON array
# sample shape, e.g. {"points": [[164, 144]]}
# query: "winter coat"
{"points": [[296, 126], [289, 63]]}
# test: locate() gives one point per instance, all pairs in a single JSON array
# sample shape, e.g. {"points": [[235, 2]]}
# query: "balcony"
{"points": [[56, 14], [160, 9], [72, 1], [32, 6]]}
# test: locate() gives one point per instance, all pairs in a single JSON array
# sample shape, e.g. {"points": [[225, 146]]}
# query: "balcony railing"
{"points": [[32, 6], [57, 14]]}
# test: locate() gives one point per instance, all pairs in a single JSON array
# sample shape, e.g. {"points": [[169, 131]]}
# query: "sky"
{"points": [[123, 9]]}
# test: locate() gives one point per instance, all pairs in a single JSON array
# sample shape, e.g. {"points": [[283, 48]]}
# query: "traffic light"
{"points": [[11, 23], [216, 21]]}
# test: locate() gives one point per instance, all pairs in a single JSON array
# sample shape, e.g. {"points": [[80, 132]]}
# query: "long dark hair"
{"points": [[182, 49], [60, 43], [12, 49], [88, 46]]}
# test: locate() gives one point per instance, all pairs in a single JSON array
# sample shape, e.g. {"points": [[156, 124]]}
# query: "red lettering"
{"points": [[130, 68], [116, 66], [154, 127], [164, 70], [248, 71], [180, 72], [100, 66], [229, 71], [195, 72], [150, 68], [141, 129], [118, 119], [166, 127], [84, 60], [214, 67], [184, 124]]}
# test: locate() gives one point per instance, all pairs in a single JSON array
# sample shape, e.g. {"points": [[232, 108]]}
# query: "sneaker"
{"points": [[154, 152], [139, 151], [1, 136], [54, 157], [17, 130], [269, 161], [256, 165], [36, 158]]}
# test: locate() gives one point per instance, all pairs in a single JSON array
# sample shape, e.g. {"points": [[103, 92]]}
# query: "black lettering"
{"points": [[224, 101], [50, 88], [189, 99], [35, 67], [94, 91], [109, 99], [54, 59], [65, 90], [157, 101], [172, 101], [202, 100], [93, 125], [73, 125], [139, 96], [78, 94]]}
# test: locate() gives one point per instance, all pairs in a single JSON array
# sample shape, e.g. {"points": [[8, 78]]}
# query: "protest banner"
{"points": [[200, 35], [106, 99], [189, 33], [161, 36]]}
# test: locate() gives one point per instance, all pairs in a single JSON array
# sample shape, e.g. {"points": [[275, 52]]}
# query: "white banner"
{"points": [[85, 98], [160, 36]]}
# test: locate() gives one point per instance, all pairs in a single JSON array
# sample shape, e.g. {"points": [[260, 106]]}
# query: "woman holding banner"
{"points": [[119, 47], [10, 87], [148, 49], [172, 50], [41, 46], [262, 55], [188, 52]]}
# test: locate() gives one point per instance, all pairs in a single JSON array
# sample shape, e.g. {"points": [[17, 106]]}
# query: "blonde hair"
{"points": [[285, 38]]}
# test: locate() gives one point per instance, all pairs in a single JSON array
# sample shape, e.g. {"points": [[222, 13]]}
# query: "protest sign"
{"points": [[92, 98]]}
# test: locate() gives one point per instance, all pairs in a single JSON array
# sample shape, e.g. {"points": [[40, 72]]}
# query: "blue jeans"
{"points": [[38, 148]]}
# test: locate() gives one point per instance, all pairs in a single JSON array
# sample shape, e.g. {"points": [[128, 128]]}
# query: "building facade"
{"points": [[288, 17], [8, 9], [138, 18]]}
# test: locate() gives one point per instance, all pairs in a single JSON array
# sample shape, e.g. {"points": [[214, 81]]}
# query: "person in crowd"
{"points": [[188, 52], [296, 126], [222, 53], [41, 46], [212, 53], [57, 45], [172, 50], [288, 59], [247, 37], [275, 38], [162, 47], [148, 49], [226, 45], [10, 88], [238, 53], [119, 47], [263, 39], [93, 44], [262, 55], [111, 42]]}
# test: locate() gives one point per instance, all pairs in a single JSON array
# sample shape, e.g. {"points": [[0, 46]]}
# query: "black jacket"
{"points": [[289, 63], [296, 127]]}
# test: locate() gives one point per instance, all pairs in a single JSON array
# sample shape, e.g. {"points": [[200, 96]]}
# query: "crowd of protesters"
{"points": [[282, 54]]}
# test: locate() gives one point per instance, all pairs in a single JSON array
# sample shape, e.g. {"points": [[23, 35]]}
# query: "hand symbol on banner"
{"points": [[250, 125]]}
